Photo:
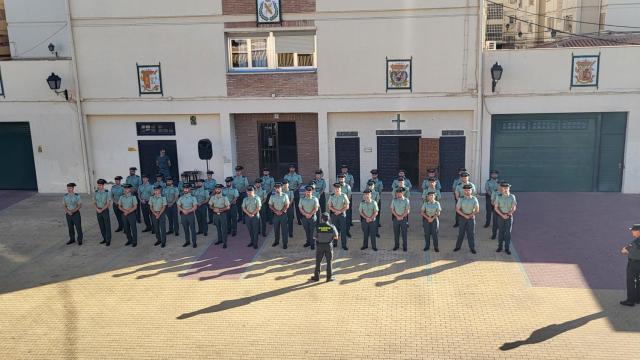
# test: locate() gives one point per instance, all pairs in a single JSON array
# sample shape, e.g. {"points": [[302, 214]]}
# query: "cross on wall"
{"points": [[398, 121]]}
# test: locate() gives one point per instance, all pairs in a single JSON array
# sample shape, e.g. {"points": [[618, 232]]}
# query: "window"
{"points": [[156, 128], [549, 24], [512, 19], [279, 50], [248, 53], [494, 32], [530, 27], [568, 23], [494, 11]]}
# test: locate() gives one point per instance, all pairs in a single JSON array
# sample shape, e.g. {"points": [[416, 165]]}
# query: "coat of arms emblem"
{"points": [[268, 11], [399, 74], [585, 70]]}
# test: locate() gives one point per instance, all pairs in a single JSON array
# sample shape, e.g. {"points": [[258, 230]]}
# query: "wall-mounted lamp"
{"points": [[54, 82], [496, 75], [52, 49]]}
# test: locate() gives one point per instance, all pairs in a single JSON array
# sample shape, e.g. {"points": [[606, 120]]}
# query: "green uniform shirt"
{"points": [[251, 204], [157, 202], [209, 185], [127, 201], [505, 203], [161, 183], [375, 196], [460, 190], [321, 185], [262, 194], [400, 205], [116, 192], [279, 201], [368, 208], [346, 189], [240, 183], [407, 184], [325, 233], [348, 179], [405, 190], [187, 201], [425, 184], [135, 181], [467, 205], [437, 192], [267, 183], [634, 249], [163, 162], [231, 193], [181, 185], [378, 186], [308, 204], [219, 201], [339, 202], [71, 201], [456, 182], [145, 191], [491, 186], [431, 208], [101, 198], [294, 180], [494, 195], [201, 194], [170, 193], [289, 193]]}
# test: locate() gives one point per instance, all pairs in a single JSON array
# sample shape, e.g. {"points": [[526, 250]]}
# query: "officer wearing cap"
{"points": [[400, 207], [187, 206], [309, 206], [102, 203], [183, 181], [375, 196], [135, 181], [202, 197], [72, 204], [290, 211], [505, 206], [158, 206], [209, 184], [267, 185], [431, 174], [251, 206], [240, 182], [459, 191], [407, 183], [232, 194], [368, 210], [338, 205], [295, 180], [378, 187], [159, 181], [457, 181], [632, 250], [319, 191], [467, 207], [348, 178], [431, 187], [163, 162], [430, 212], [220, 206], [145, 190], [325, 234], [171, 193], [264, 205], [400, 184], [490, 186], [116, 192], [279, 204], [128, 205], [346, 189]]}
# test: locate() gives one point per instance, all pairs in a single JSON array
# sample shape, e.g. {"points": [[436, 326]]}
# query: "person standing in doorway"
{"points": [[163, 162]]}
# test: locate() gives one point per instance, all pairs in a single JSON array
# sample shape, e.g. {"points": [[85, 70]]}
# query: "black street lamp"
{"points": [[54, 82], [496, 75]]}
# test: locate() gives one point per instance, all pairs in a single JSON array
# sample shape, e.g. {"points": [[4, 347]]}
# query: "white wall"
{"points": [[622, 12], [143, 8], [386, 5]]}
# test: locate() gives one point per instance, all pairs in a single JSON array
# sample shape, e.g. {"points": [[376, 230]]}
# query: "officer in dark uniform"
{"points": [[135, 181], [325, 234], [102, 203], [232, 195], [220, 205], [116, 191], [128, 204], [240, 182], [632, 250], [72, 204]]}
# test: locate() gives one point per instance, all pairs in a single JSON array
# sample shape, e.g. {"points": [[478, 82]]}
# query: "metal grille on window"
{"points": [[514, 126], [494, 32], [494, 11], [156, 128]]}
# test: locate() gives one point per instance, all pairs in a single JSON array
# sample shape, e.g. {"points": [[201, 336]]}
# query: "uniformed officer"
{"points": [[128, 205], [407, 182], [182, 182], [202, 197], [145, 191], [454, 186], [325, 234], [159, 181], [295, 180], [490, 186], [171, 193], [431, 174], [459, 191], [251, 206], [338, 205], [378, 187], [187, 206], [163, 162], [135, 182], [432, 186], [158, 207], [220, 206], [264, 205], [400, 184], [72, 204], [290, 210], [309, 206], [116, 192], [349, 180], [346, 190], [267, 185], [467, 207], [368, 210], [430, 212], [505, 206], [319, 191], [632, 250], [240, 182], [375, 196], [210, 184], [102, 203], [400, 208], [279, 204], [232, 216]]}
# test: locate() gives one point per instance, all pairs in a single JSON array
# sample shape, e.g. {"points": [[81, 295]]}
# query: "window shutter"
{"points": [[301, 44]]}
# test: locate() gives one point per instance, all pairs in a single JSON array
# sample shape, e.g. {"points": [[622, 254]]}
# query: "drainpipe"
{"points": [[477, 124]]}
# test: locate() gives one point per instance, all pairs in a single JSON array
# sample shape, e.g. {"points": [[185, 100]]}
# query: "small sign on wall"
{"points": [[149, 80], [268, 12], [399, 74], [585, 70]]}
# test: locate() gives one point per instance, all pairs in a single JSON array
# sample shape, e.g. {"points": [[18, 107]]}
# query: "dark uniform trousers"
{"points": [[104, 222], [253, 225], [118, 214], [201, 218], [138, 208], [340, 222], [323, 202], [379, 211], [189, 228], [369, 230], [239, 208], [489, 208], [146, 215], [504, 231], [74, 223], [160, 227], [131, 228], [468, 228], [457, 216], [323, 250], [290, 213], [309, 225], [264, 218], [431, 232], [172, 219], [296, 200], [350, 213], [220, 222], [494, 226], [281, 226], [633, 280], [269, 213], [232, 219], [400, 228]]}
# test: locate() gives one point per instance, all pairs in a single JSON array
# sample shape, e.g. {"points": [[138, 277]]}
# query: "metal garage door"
{"points": [[18, 171], [559, 152]]}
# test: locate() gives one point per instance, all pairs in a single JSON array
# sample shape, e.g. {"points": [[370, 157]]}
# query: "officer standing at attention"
{"points": [[267, 185], [346, 190], [135, 182], [220, 206], [163, 162], [158, 206], [171, 193], [290, 211], [232, 216], [430, 212], [102, 203], [264, 205], [378, 187], [632, 250], [182, 182], [375, 196], [456, 182], [187, 206], [279, 203], [338, 205], [128, 205], [505, 206], [490, 186], [202, 197], [72, 204], [467, 207], [295, 180], [144, 194], [240, 182], [159, 181], [400, 184], [459, 191], [116, 192], [309, 206], [431, 173], [251, 206], [348, 179], [325, 234], [400, 208], [318, 192], [431, 187], [407, 182], [210, 184], [368, 210]]}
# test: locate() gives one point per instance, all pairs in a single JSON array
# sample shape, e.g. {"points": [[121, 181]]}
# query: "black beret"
{"points": [[250, 188], [102, 181], [71, 185], [505, 184], [344, 166], [319, 171], [219, 186], [431, 193], [265, 169], [258, 181], [341, 176], [228, 179], [133, 168], [118, 177], [464, 174], [369, 183], [366, 191], [308, 188], [401, 178], [285, 181], [400, 189], [337, 185], [374, 171], [278, 184], [168, 178], [239, 167], [186, 186], [157, 187], [209, 172], [635, 227], [126, 186], [467, 186]]}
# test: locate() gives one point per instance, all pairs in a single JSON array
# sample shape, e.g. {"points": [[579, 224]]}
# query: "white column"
{"points": [[228, 137], [323, 141]]}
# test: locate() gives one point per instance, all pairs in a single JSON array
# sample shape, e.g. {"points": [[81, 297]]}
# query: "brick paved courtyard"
{"points": [[556, 298]]}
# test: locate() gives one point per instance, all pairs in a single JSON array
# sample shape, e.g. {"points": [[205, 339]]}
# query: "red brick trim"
{"points": [[429, 156], [245, 7], [280, 84], [285, 23]]}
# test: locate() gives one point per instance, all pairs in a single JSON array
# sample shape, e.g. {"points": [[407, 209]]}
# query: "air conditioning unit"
{"points": [[490, 45]]}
